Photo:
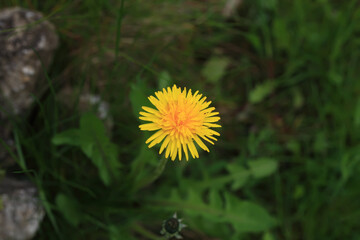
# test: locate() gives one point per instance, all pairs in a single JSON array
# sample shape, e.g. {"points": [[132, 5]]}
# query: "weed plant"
{"points": [[284, 76]]}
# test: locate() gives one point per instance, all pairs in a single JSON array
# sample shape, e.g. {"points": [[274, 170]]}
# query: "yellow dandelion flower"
{"points": [[180, 118]]}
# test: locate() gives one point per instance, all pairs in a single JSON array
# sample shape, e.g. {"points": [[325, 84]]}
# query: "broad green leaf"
{"points": [[93, 125], [268, 236], [92, 139], [165, 80], [70, 137], [262, 167], [214, 68], [261, 91], [138, 97], [240, 175], [98, 147], [215, 200], [247, 216], [69, 207], [244, 216], [237, 177]]}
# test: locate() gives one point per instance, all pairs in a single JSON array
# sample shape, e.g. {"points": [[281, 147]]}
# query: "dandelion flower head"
{"points": [[180, 118]]}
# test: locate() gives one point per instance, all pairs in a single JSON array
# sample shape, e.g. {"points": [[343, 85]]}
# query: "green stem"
{"points": [[150, 179], [146, 233]]}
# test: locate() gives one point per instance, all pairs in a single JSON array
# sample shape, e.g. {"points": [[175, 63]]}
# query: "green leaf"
{"points": [[215, 200], [248, 216], [261, 91], [92, 139], [138, 97], [262, 167], [98, 147], [240, 174], [268, 236], [69, 208], [214, 68], [244, 216], [69, 137], [165, 80]]}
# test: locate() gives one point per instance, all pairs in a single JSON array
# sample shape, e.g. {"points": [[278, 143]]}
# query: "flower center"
{"points": [[179, 120]]}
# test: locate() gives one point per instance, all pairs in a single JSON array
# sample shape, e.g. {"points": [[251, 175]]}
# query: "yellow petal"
{"points": [[211, 137], [213, 132], [175, 152], [201, 144], [212, 119], [149, 126], [155, 135], [150, 119], [151, 110], [205, 138], [158, 139], [212, 114], [212, 125], [164, 144], [186, 151], [146, 114], [167, 152], [155, 102], [207, 110], [205, 105], [193, 150], [179, 149], [173, 147]]}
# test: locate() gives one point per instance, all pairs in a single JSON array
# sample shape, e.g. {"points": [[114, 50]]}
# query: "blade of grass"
{"points": [[119, 19]]}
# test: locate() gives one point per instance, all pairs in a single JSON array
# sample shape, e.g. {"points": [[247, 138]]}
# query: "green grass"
{"points": [[282, 74]]}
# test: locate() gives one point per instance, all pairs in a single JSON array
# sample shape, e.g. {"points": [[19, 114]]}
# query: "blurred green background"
{"points": [[284, 76]]}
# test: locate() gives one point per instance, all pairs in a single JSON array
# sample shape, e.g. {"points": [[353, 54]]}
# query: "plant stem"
{"points": [[144, 232], [156, 174]]}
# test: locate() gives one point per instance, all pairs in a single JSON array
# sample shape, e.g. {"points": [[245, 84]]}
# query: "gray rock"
{"points": [[27, 44], [20, 210], [24, 38]]}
